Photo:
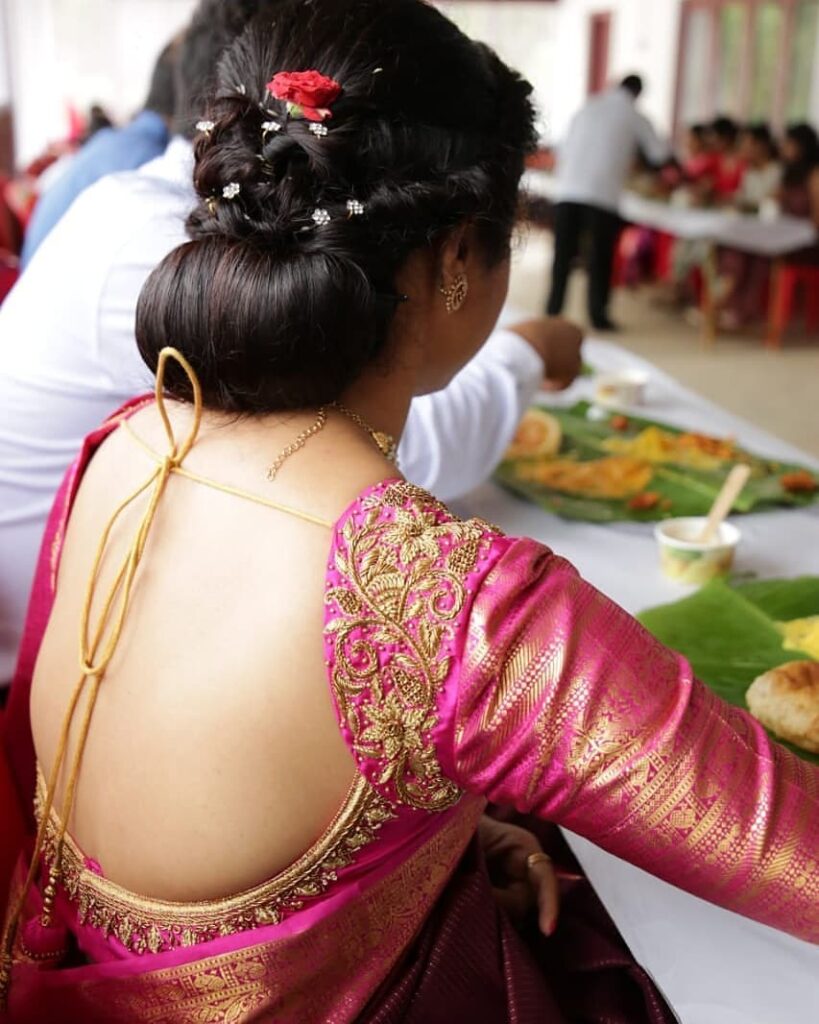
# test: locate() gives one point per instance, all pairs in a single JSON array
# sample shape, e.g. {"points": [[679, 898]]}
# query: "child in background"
{"points": [[699, 175], [763, 171], [723, 139]]}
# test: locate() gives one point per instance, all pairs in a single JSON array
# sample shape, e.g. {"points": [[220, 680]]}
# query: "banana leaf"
{"points": [[783, 600], [682, 490], [730, 635]]}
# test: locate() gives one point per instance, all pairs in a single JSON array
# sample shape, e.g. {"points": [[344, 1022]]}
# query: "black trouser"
{"points": [[571, 222]]}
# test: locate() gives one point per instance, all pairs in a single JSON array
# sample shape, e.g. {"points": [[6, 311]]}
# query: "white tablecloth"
{"points": [[713, 966], [723, 227]]}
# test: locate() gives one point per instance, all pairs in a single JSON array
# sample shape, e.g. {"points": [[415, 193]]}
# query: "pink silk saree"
{"points": [[464, 666]]}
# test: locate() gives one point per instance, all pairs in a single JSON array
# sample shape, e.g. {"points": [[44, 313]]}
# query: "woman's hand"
{"points": [[558, 342], [522, 875]]}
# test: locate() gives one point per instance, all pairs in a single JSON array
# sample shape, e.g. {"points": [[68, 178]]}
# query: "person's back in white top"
{"points": [[595, 159]]}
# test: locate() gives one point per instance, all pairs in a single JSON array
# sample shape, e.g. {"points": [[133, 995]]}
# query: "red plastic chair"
{"points": [[787, 279], [12, 829], [664, 256]]}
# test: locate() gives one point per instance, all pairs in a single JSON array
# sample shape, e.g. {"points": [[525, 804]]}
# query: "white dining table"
{"points": [[747, 232], [713, 966]]}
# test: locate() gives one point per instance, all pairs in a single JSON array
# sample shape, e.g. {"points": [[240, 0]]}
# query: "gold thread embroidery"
{"points": [[403, 588], [307, 976], [145, 925]]}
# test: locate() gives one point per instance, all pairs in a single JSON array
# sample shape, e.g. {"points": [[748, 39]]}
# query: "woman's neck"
{"points": [[382, 399]]}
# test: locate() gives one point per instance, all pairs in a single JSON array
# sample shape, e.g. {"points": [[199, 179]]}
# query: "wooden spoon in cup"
{"points": [[731, 490]]}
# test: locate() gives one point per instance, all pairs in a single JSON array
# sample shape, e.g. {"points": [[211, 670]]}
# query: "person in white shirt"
{"points": [[68, 359], [762, 176], [592, 167]]}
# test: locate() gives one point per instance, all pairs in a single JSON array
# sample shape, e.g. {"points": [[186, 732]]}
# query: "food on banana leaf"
{"points": [[662, 447], [614, 477], [802, 635]]}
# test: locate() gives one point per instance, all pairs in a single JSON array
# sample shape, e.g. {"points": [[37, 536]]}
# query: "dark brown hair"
{"points": [[275, 311]]}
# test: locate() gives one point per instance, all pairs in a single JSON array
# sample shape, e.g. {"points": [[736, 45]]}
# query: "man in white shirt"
{"points": [[68, 358], [592, 167]]}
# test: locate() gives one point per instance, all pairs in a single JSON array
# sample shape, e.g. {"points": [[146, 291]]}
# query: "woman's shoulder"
{"points": [[399, 525], [403, 579], [396, 534]]}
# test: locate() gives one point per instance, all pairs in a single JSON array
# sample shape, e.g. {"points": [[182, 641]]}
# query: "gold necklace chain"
{"points": [[385, 443], [298, 444]]}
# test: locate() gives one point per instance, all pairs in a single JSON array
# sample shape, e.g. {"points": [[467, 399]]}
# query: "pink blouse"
{"points": [[465, 666]]}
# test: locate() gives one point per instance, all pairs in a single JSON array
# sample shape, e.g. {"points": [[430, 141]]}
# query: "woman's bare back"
{"points": [[214, 758]]}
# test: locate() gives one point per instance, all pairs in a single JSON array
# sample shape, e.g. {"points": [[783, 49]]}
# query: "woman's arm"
{"points": [[569, 709], [454, 439]]}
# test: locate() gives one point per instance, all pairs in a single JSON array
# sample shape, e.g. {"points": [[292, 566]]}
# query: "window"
{"points": [[752, 59], [804, 78], [769, 33], [732, 29]]}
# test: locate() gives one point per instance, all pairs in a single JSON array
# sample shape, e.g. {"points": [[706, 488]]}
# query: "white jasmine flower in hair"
{"points": [[355, 208], [205, 126], [318, 129], [241, 88], [321, 217], [232, 190], [270, 126]]}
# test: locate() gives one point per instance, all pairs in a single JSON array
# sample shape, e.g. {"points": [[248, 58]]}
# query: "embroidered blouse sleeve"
{"points": [[569, 709]]}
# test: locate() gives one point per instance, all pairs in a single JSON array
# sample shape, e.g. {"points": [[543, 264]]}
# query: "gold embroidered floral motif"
{"points": [[145, 925], [326, 972], [403, 585]]}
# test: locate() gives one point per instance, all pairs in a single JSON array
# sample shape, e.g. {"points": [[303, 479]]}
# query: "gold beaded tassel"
{"points": [[96, 653]]}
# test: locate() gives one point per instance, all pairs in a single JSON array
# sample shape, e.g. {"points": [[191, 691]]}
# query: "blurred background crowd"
{"points": [[730, 88]]}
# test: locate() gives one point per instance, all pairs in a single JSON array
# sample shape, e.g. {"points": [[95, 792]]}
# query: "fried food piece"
{"points": [[786, 701], [645, 501], [538, 436], [801, 482]]}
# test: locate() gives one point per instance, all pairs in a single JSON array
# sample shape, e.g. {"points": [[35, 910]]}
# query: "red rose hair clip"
{"points": [[308, 94]]}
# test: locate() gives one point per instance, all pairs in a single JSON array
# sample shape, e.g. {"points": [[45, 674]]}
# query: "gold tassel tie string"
{"points": [[93, 665]]}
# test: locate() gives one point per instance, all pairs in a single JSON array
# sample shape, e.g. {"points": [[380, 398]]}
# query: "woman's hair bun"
{"points": [[287, 289]]}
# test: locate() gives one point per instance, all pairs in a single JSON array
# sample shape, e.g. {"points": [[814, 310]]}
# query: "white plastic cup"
{"points": [[686, 560], [616, 390]]}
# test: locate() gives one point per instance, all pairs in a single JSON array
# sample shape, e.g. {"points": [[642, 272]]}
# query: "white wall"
{"points": [[525, 35], [82, 51], [5, 70], [549, 43]]}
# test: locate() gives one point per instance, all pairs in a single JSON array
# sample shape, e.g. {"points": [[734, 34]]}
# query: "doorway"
{"points": [[599, 47]]}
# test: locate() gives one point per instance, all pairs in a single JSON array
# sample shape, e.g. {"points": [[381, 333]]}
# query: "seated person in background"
{"points": [[109, 150], [72, 360], [298, 637], [799, 194], [744, 276], [700, 161], [763, 171], [723, 137], [695, 188]]}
